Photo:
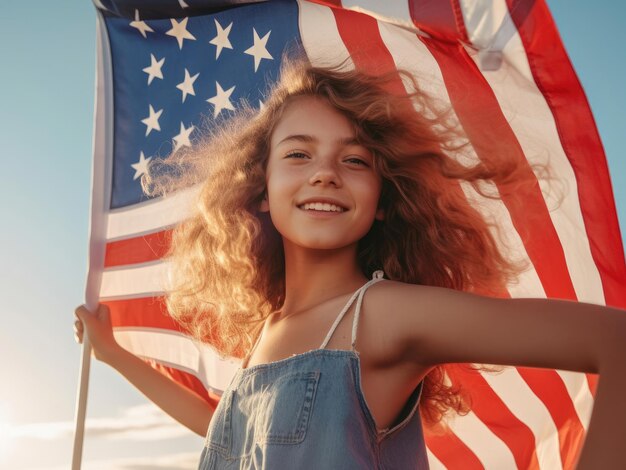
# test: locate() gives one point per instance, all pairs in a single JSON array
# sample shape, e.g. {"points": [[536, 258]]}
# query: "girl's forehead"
{"points": [[310, 115]]}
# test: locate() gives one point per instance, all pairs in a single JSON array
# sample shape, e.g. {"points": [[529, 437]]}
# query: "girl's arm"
{"points": [[436, 325], [179, 402]]}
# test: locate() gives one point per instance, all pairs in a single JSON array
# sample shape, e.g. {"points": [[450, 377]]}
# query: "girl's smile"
{"points": [[322, 188]]}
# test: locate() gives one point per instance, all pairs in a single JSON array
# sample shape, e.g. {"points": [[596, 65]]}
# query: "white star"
{"points": [[183, 4], [179, 31], [221, 41], [152, 121], [221, 100], [182, 139], [186, 86], [141, 26], [259, 49], [141, 167], [154, 70]]}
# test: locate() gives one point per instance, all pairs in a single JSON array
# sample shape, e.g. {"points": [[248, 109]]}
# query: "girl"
{"points": [[304, 208]]}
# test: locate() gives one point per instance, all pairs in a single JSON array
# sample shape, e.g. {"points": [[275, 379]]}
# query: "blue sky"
{"points": [[46, 113]]}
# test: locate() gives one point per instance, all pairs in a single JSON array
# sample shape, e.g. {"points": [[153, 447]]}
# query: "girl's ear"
{"points": [[265, 204], [380, 214]]}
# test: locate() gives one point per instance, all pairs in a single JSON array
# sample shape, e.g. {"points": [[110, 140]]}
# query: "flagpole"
{"points": [[81, 404]]}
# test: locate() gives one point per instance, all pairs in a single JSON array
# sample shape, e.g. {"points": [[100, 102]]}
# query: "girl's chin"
{"points": [[318, 244]]}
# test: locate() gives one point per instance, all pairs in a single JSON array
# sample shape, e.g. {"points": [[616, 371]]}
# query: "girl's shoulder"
{"points": [[392, 311], [406, 317], [404, 298]]}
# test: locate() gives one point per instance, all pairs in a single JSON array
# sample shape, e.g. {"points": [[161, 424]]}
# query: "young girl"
{"points": [[333, 248]]}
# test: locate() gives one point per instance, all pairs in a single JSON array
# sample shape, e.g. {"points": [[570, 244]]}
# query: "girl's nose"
{"points": [[325, 175]]}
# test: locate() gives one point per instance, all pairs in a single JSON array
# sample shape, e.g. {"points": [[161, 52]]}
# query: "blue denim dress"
{"points": [[308, 412]]}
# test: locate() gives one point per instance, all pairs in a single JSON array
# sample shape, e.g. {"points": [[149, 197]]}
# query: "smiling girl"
{"points": [[333, 250]]}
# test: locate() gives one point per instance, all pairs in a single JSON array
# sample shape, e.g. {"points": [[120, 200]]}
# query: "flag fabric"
{"points": [[164, 67]]}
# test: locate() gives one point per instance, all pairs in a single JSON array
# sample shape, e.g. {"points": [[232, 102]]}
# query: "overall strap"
{"points": [[244, 362], [358, 295]]}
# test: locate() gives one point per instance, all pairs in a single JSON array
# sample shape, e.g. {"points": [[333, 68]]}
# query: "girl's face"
{"points": [[322, 189]]}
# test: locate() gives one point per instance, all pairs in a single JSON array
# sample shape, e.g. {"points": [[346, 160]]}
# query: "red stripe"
{"points": [[442, 19], [147, 312], [186, 379], [140, 249], [557, 81], [450, 450]]}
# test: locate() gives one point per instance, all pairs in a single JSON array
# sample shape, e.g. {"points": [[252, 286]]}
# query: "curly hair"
{"points": [[228, 273]]}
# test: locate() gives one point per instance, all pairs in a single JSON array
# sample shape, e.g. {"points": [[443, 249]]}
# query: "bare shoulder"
{"points": [[395, 301], [394, 310]]}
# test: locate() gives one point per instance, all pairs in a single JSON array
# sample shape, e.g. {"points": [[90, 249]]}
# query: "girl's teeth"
{"points": [[322, 206]]}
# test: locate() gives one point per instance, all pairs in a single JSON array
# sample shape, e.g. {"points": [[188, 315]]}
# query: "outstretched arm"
{"points": [[180, 403], [456, 327]]}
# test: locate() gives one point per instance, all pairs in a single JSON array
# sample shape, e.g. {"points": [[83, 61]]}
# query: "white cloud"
{"points": [[141, 423]]}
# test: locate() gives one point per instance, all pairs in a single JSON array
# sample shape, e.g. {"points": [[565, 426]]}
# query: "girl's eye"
{"points": [[298, 155], [357, 161]]}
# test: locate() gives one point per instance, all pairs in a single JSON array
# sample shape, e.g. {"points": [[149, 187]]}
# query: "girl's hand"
{"points": [[99, 331]]}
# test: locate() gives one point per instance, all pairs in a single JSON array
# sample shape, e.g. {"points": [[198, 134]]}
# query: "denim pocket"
{"points": [[263, 410]]}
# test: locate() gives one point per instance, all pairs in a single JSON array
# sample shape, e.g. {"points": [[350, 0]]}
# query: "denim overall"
{"points": [[308, 412]]}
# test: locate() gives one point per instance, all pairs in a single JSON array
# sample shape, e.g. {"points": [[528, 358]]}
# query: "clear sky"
{"points": [[46, 113]]}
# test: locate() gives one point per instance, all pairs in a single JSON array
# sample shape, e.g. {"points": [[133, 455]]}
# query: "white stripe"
{"points": [[484, 21], [394, 11], [492, 452], [433, 462], [150, 216], [177, 350], [320, 37], [530, 118], [136, 280], [525, 406], [527, 283], [578, 389]]}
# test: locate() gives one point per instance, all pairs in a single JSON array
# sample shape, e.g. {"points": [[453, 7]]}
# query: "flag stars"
{"points": [[141, 167], [154, 70], [179, 31], [141, 26], [259, 49], [186, 86], [182, 139], [222, 99], [221, 41], [152, 121]]}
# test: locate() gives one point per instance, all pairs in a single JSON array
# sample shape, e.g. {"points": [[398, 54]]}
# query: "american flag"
{"points": [[164, 67]]}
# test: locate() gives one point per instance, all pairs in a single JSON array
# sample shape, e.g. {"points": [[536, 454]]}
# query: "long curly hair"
{"points": [[227, 272]]}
